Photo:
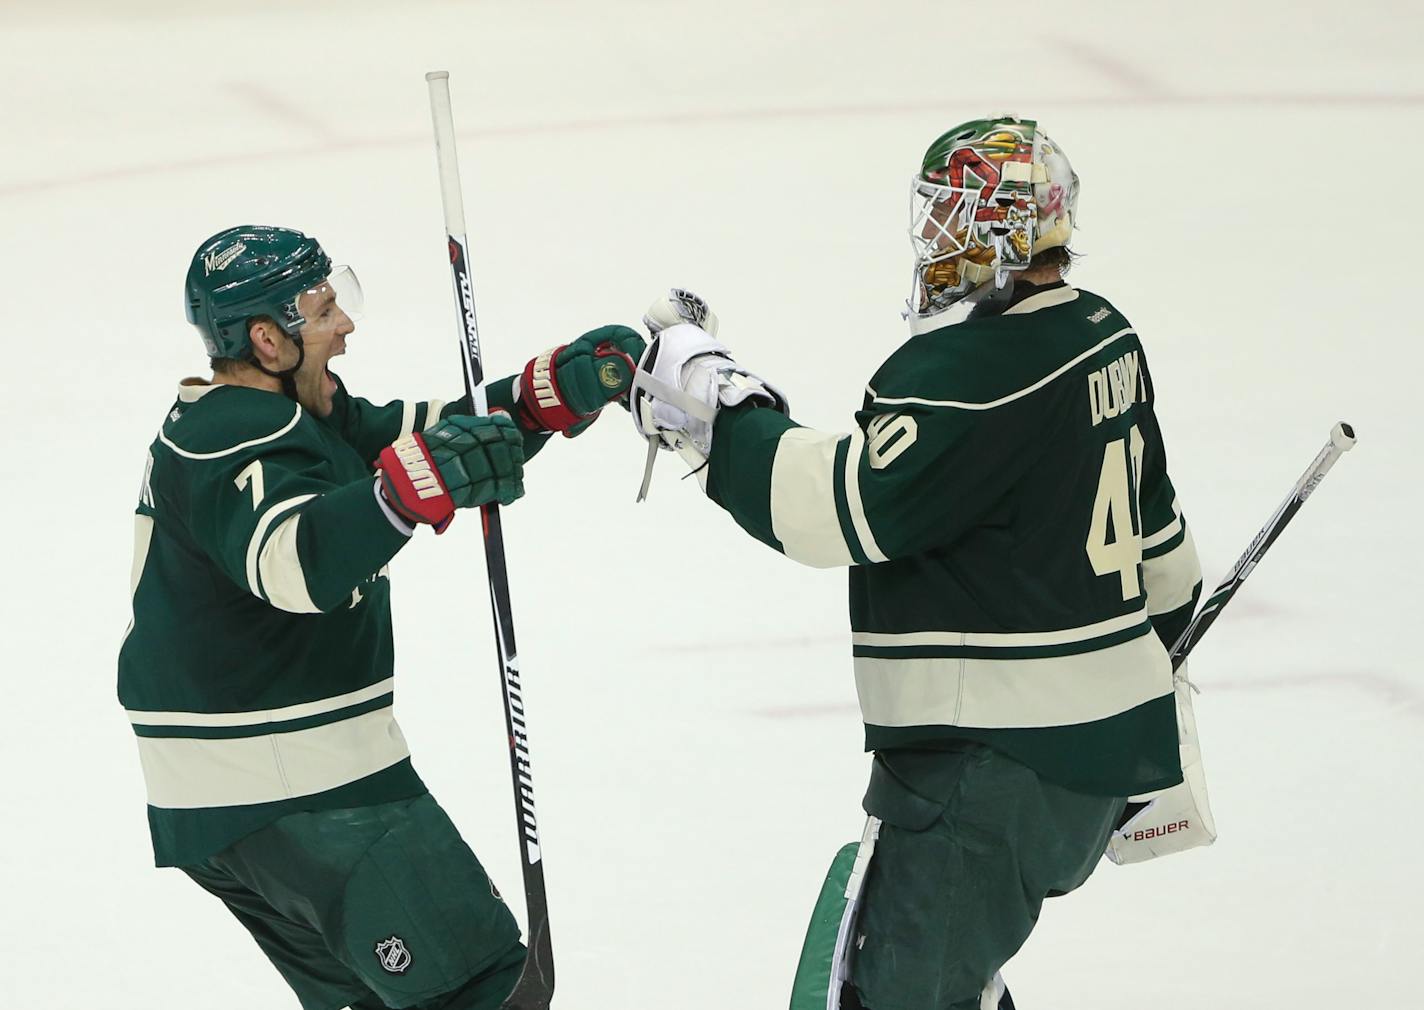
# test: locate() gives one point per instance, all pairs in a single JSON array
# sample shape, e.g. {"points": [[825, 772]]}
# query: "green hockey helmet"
{"points": [[255, 270], [989, 194]]}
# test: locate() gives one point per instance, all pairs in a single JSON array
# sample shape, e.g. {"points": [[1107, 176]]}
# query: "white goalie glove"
{"points": [[679, 306], [684, 378]]}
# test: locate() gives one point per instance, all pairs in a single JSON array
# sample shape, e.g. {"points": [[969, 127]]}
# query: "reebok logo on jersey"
{"points": [[1100, 315], [417, 467], [221, 260]]}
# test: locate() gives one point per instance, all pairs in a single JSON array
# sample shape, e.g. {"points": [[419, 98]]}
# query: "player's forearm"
{"points": [[329, 547], [500, 396], [740, 466], [1171, 573]]}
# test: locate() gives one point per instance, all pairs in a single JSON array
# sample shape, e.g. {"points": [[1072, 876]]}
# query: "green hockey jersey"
{"points": [[257, 672], [1014, 537]]}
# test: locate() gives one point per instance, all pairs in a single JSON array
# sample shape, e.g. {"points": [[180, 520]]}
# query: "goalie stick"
{"points": [[535, 988], [1342, 440]]}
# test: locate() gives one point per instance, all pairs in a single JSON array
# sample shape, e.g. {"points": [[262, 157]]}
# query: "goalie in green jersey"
{"points": [[257, 672], [1018, 561]]}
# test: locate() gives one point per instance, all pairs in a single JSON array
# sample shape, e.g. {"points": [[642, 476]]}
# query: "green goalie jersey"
{"points": [[258, 670], [1019, 555]]}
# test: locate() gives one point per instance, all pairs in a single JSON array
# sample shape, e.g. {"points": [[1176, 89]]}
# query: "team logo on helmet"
{"points": [[393, 955], [221, 259]]}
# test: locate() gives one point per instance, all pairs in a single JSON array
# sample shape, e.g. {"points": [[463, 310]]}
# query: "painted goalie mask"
{"points": [[989, 194]]}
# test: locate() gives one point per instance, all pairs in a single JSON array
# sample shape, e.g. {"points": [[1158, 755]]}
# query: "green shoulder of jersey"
{"points": [[980, 363], [210, 422]]}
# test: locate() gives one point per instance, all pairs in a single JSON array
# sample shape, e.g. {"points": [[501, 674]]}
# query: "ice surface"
{"points": [[1249, 200]]}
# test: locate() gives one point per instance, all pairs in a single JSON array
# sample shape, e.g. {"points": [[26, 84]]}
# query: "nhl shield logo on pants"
{"points": [[393, 955]]}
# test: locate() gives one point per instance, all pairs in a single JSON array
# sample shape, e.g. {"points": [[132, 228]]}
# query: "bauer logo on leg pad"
{"points": [[393, 954], [1158, 831]]}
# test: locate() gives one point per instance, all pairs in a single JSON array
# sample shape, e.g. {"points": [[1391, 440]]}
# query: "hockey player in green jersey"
{"points": [[1018, 563], [257, 672]]}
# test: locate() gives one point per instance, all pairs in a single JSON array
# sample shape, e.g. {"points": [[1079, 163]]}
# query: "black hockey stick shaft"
{"points": [[1342, 439], [535, 988]]}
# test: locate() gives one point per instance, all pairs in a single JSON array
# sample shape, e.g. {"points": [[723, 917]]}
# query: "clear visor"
{"points": [[941, 219], [339, 293]]}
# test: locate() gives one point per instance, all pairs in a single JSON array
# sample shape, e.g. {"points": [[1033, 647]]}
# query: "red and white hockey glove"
{"points": [[462, 462], [563, 389]]}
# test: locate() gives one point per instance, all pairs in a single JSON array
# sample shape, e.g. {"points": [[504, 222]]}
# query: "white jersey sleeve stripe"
{"points": [[803, 499], [853, 500], [143, 539], [259, 534], [1166, 532], [279, 566], [1172, 578]]}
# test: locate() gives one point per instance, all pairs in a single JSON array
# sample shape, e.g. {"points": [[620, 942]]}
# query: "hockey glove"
{"points": [[679, 306], [564, 389], [462, 462], [683, 380]]}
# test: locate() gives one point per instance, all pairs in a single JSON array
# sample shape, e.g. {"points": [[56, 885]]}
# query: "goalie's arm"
{"points": [[910, 481], [1171, 570]]}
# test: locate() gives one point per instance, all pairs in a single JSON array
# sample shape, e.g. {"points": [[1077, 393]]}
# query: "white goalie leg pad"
{"points": [[1177, 818], [845, 935]]}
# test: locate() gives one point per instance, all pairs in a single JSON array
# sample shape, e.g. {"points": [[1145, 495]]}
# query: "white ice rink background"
{"points": [[1250, 200]]}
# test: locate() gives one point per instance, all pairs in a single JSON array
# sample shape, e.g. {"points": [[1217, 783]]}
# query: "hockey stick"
{"points": [[1342, 440], [535, 988]]}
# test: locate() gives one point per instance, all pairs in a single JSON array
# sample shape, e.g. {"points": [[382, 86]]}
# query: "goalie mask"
{"points": [[989, 194]]}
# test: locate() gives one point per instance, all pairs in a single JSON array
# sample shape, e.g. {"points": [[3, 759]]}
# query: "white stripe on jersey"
{"points": [[1013, 693], [185, 774], [1172, 578], [990, 405], [803, 499]]}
